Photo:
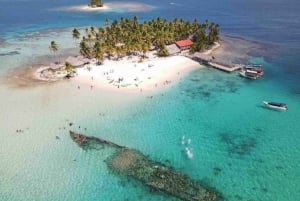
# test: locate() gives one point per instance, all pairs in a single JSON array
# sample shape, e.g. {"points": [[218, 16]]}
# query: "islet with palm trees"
{"points": [[129, 38]]}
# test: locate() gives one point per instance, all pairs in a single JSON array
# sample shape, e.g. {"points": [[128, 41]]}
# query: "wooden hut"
{"points": [[184, 44]]}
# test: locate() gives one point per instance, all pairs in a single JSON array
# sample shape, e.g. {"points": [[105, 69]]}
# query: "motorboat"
{"points": [[275, 105], [255, 67], [250, 74]]}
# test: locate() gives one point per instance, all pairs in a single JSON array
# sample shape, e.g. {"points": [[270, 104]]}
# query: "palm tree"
{"points": [[139, 37], [96, 3], [98, 52], [135, 22], [162, 52], [53, 47], [106, 22], [75, 34], [84, 49], [93, 32], [69, 67], [145, 47]]}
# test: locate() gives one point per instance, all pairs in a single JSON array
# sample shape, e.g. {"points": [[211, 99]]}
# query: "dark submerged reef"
{"points": [[157, 176], [238, 145], [197, 89], [9, 53]]}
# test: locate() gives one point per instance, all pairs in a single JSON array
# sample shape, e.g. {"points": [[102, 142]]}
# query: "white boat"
{"points": [[276, 106], [250, 74], [254, 67]]}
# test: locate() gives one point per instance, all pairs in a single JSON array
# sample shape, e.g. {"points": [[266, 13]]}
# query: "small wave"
{"points": [[175, 4]]}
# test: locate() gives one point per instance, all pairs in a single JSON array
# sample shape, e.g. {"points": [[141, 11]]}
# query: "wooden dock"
{"points": [[208, 60], [225, 67]]}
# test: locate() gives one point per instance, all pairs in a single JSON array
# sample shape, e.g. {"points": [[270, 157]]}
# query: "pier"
{"points": [[225, 67], [208, 60]]}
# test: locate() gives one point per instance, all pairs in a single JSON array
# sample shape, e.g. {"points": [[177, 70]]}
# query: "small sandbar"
{"points": [[109, 7], [83, 8], [25, 76]]}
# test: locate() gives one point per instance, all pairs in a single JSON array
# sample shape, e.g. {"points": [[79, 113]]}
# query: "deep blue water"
{"points": [[272, 22]]}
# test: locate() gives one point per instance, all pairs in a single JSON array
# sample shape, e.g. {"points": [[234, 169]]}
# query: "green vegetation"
{"points": [[53, 47], [76, 34], [128, 36], [96, 3], [69, 68], [162, 51]]}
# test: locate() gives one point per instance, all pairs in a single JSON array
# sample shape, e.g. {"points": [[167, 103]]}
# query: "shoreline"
{"points": [[84, 8], [116, 6], [129, 74], [126, 75]]}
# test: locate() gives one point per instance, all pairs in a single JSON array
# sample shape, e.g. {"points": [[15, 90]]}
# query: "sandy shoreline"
{"points": [[128, 75], [117, 6], [84, 8]]}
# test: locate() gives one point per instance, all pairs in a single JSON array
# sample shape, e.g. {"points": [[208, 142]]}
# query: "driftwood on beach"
{"points": [[158, 177]]}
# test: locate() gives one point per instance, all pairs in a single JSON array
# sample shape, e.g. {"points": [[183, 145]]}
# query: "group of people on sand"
{"points": [[167, 82]]}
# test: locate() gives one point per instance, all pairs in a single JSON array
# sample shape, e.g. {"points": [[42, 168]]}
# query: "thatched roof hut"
{"points": [[173, 49]]}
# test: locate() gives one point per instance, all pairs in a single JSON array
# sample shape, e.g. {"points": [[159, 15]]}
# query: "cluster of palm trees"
{"points": [[96, 3], [128, 36], [67, 66]]}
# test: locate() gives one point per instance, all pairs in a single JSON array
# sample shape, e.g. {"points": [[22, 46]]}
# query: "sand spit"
{"points": [[116, 6], [25, 77]]}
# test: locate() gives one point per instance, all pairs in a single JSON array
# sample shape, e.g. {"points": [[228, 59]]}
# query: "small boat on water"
{"points": [[275, 105], [255, 67], [250, 74], [252, 71]]}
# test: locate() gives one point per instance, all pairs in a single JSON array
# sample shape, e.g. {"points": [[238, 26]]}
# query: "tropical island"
{"points": [[129, 37], [128, 54], [95, 3]]}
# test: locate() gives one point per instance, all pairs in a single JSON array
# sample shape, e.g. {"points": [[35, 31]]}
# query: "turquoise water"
{"points": [[243, 150], [239, 147]]}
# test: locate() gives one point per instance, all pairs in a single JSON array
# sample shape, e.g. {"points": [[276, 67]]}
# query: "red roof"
{"points": [[184, 43]]}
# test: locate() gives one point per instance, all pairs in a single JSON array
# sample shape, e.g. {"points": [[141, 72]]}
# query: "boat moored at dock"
{"points": [[252, 71], [249, 74], [255, 67]]}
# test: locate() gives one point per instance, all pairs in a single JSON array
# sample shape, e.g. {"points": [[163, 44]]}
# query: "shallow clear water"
{"points": [[245, 151]]}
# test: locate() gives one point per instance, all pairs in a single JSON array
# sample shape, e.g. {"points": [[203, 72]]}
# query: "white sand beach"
{"points": [[129, 75], [116, 6], [84, 8]]}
